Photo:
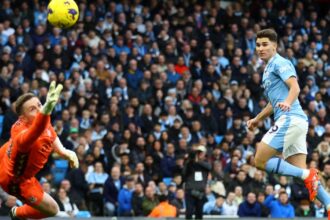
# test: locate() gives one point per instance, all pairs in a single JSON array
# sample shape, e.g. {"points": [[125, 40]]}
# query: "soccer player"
{"points": [[32, 140], [288, 135]]}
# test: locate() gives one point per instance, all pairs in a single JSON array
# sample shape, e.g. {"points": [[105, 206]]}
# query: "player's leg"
{"points": [[263, 153], [279, 137], [48, 205], [295, 151], [38, 203], [265, 160], [46, 208], [322, 195]]}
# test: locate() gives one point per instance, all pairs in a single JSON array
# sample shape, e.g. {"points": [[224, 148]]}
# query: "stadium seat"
{"points": [[167, 180], [83, 214], [1, 123], [59, 170], [218, 139]]}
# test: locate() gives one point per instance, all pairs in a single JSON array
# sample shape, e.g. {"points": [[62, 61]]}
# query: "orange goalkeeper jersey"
{"points": [[29, 147]]}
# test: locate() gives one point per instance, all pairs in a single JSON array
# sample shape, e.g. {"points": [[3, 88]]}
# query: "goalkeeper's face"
{"points": [[31, 108]]}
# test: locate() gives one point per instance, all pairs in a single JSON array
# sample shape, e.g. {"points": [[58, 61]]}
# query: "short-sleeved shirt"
{"points": [[277, 71]]}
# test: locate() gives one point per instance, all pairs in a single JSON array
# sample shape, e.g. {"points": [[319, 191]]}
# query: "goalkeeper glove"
{"points": [[52, 98], [72, 158]]}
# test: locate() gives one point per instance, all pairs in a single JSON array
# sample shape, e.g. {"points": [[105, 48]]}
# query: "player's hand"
{"points": [[72, 158], [252, 124], [11, 201], [52, 98], [284, 106]]}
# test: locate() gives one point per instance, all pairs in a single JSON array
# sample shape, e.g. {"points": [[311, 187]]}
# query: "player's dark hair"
{"points": [[21, 100], [268, 33]]}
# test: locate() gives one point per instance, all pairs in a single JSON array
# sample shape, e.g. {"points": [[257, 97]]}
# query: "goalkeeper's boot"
{"points": [[12, 214]]}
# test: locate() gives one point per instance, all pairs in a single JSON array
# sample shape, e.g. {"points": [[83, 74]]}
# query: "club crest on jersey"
{"points": [[266, 74], [285, 68], [32, 199]]}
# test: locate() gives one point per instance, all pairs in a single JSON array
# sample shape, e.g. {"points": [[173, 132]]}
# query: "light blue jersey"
{"points": [[277, 71], [288, 135]]}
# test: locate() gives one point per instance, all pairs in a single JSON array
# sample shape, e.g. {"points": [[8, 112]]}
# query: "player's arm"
{"points": [[65, 153], [28, 136], [294, 90], [267, 111], [42, 119]]}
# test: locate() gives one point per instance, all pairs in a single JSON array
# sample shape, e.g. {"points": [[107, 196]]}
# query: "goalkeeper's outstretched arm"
{"points": [[42, 119], [65, 153]]}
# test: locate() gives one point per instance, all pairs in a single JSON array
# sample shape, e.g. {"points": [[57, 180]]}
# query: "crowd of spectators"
{"points": [[145, 81]]}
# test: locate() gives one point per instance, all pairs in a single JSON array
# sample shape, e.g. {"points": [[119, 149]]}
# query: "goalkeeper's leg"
{"points": [[38, 203]]}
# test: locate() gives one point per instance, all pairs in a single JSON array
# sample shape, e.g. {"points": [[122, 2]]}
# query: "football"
{"points": [[63, 13]]}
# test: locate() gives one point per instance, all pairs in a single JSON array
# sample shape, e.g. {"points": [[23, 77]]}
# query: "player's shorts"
{"points": [[29, 191], [288, 135]]}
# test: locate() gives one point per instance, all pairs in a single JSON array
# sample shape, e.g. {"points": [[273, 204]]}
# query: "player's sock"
{"points": [[27, 211], [62, 214], [323, 196], [280, 166]]}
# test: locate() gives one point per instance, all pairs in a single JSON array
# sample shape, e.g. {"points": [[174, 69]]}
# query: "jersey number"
{"points": [[274, 129]]}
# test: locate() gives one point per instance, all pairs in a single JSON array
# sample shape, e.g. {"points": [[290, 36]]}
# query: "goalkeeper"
{"points": [[33, 139]]}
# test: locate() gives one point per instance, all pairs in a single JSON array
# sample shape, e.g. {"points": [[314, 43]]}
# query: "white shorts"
{"points": [[288, 135]]}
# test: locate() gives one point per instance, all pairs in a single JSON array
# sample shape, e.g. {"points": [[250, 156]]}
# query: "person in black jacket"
{"points": [[79, 186], [111, 189], [137, 199], [195, 174]]}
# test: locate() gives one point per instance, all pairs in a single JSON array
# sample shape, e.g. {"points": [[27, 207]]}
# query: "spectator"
{"points": [[238, 195], [67, 207], [133, 75], [304, 209], [257, 184], [125, 197], [112, 186], [150, 201], [137, 199], [151, 171], [261, 199], [168, 162], [71, 192], [281, 207], [139, 172], [179, 202], [214, 207], [96, 182], [241, 180], [250, 207], [229, 207]]}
